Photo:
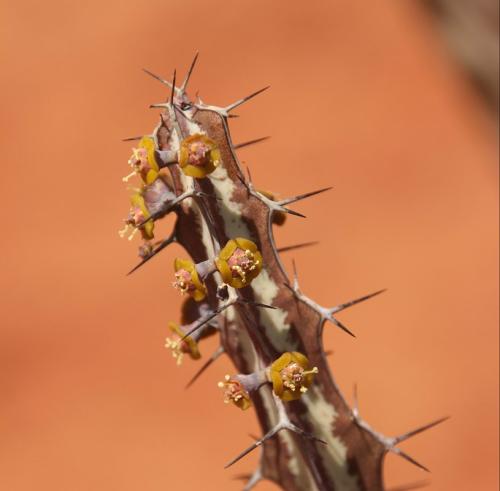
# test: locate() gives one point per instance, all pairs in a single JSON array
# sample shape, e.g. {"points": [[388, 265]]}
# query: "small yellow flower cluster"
{"points": [[239, 262], [187, 280], [289, 375], [143, 161], [235, 393], [137, 215], [180, 346], [198, 156]]}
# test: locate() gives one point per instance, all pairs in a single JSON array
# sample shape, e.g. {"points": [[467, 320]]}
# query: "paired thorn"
{"points": [[339, 324], [280, 205], [291, 212], [326, 314], [338, 308], [405, 456], [299, 197], [168, 207], [390, 443], [155, 251], [182, 89], [346, 305], [215, 355], [283, 426], [157, 77], [239, 102], [251, 142], [406, 436]]}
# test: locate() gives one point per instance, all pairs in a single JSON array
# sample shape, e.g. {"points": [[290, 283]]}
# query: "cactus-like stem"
{"points": [[272, 332]]}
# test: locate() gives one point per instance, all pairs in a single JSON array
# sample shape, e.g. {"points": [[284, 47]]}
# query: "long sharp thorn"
{"points": [[357, 300], [292, 212], [162, 80], [306, 434], [172, 93], [244, 99], [131, 138], [207, 319], [159, 248], [243, 454], [303, 196], [411, 486], [168, 208], [218, 352], [254, 445], [251, 142], [201, 324], [256, 304], [296, 246], [404, 437], [339, 324], [188, 74], [405, 456]]}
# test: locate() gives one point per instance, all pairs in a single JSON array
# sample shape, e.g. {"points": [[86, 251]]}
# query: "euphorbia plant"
{"points": [[235, 287]]}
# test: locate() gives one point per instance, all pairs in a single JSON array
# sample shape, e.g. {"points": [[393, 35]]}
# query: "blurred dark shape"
{"points": [[471, 30]]}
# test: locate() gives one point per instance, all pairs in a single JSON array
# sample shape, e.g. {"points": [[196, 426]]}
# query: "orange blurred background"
{"points": [[365, 98]]}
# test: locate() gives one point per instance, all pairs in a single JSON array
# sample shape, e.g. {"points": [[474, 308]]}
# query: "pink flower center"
{"points": [[183, 281], [139, 160], [292, 376], [233, 391], [198, 153], [241, 263], [136, 216]]}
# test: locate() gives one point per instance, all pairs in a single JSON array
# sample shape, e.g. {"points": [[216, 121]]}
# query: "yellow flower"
{"points": [[181, 346], [290, 376], [198, 155], [187, 279], [235, 392], [138, 214], [239, 262], [143, 161]]}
